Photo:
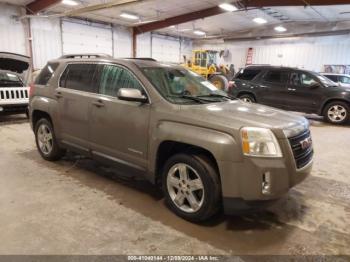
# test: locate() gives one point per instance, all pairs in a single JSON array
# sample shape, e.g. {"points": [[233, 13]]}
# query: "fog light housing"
{"points": [[266, 184], [1, 109]]}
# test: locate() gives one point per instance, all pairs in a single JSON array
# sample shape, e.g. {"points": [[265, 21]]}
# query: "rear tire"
{"points": [[220, 82], [337, 113], [247, 98], [46, 141], [191, 187]]}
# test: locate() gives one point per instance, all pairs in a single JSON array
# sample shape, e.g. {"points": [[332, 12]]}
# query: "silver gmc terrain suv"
{"points": [[205, 149]]}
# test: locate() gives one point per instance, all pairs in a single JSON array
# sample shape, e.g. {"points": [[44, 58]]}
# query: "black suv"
{"points": [[293, 89]]}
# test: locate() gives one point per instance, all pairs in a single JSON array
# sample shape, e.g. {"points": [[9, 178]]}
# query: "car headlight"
{"points": [[260, 142]]}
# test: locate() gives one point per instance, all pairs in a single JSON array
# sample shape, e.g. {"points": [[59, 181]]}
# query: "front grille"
{"points": [[302, 155], [14, 95]]}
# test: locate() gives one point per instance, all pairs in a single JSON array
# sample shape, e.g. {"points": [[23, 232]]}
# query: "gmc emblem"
{"points": [[306, 143]]}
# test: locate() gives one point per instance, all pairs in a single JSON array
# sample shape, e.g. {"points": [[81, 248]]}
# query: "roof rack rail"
{"points": [[143, 58], [70, 56]]}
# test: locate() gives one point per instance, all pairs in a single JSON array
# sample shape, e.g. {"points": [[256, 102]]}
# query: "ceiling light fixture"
{"points": [[69, 2], [259, 20], [280, 29], [199, 32], [228, 7], [129, 16]]}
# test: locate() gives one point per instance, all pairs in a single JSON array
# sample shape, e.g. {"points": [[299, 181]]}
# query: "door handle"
{"points": [[98, 103], [58, 94]]}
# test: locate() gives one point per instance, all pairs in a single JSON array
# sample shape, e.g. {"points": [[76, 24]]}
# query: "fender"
{"points": [[221, 145]]}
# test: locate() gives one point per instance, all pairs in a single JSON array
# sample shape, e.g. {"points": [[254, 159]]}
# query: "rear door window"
{"points": [[81, 77], [248, 74], [276, 76], [114, 77], [46, 74]]}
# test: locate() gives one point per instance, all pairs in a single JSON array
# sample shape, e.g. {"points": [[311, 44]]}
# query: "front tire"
{"points": [[337, 113], [46, 141], [247, 98], [191, 187], [220, 81]]}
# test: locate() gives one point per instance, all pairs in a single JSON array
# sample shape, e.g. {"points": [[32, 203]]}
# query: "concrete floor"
{"points": [[75, 206]]}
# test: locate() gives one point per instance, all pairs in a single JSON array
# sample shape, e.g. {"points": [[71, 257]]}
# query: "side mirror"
{"points": [[131, 94]]}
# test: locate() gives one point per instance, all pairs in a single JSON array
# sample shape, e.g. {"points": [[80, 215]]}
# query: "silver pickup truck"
{"points": [[14, 91]]}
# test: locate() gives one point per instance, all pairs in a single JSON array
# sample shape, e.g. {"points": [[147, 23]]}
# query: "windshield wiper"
{"points": [[218, 95], [193, 98]]}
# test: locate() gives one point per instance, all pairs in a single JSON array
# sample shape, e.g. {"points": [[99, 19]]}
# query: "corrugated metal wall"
{"points": [[47, 44], [12, 30], [165, 49], [309, 53], [52, 37], [80, 37], [122, 38]]}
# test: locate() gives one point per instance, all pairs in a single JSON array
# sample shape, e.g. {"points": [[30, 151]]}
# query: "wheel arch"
{"points": [[331, 100], [247, 93], [169, 148]]}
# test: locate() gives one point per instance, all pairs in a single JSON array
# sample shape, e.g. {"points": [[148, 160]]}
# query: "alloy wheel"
{"points": [[185, 188], [45, 139], [337, 113]]}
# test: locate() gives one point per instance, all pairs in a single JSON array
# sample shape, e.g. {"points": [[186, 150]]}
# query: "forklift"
{"points": [[204, 62]]}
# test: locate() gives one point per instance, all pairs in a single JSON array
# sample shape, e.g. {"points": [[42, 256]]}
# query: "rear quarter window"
{"points": [[46, 74], [248, 74]]}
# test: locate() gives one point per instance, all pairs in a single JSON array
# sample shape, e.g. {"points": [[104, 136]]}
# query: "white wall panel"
{"points": [[143, 45], [12, 31], [86, 38], [186, 50], [47, 44], [309, 53], [165, 49], [122, 38]]}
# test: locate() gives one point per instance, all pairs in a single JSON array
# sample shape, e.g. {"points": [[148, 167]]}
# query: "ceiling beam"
{"points": [[179, 19], [40, 5], [217, 11], [265, 3]]}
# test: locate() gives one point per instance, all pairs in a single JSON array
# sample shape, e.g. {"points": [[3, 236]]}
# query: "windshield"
{"points": [[181, 86], [10, 80]]}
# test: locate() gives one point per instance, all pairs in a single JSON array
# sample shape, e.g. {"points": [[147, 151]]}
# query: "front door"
{"points": [[303, 92], [119, 130]]}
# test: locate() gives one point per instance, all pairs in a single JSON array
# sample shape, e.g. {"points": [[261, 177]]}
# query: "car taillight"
{"points": [[31, 89]]}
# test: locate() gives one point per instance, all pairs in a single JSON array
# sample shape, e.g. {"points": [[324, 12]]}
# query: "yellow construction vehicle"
{"points": [[204, 62]]}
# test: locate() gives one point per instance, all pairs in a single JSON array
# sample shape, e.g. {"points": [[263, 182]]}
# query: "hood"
{"points": [[15, 63], [236, 114]]}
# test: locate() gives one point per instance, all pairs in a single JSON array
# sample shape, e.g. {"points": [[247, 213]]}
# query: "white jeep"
{"points": [[14, 91]]}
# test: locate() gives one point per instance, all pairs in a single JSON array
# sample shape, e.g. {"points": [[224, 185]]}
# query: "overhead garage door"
{"points": [[81, 38], [166, 49]]}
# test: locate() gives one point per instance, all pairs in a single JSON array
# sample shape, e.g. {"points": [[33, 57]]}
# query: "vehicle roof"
{"points": [[334, 74], [263, 67], [140, 62]]}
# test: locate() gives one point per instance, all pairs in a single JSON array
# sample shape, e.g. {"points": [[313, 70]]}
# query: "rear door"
{"points": [[272, 88], [304, 92], [76, 91]]}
